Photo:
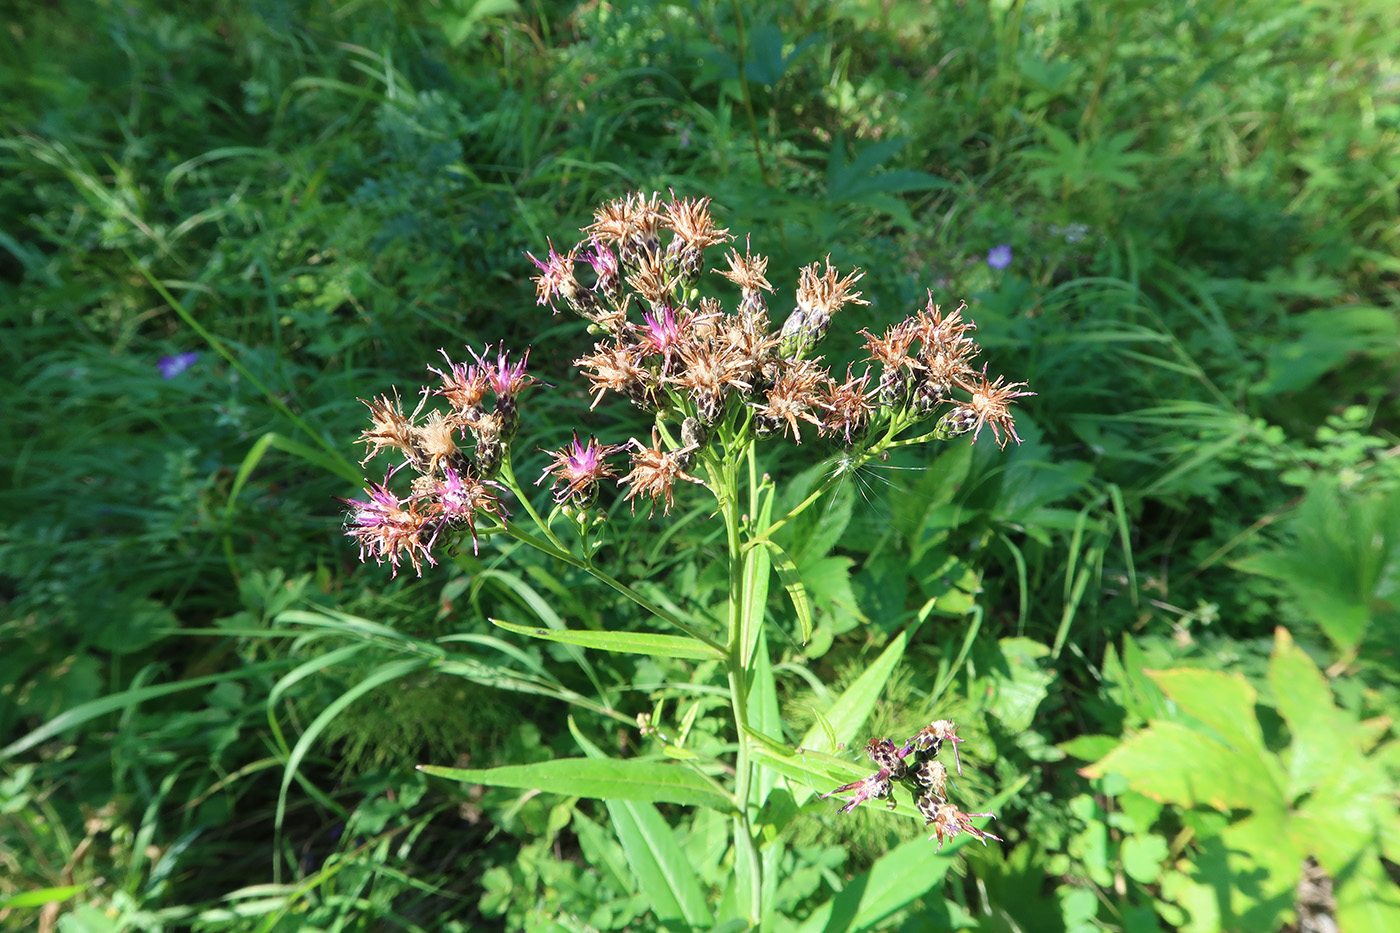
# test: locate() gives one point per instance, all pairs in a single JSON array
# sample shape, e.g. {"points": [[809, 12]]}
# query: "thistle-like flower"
{"points": [[578, 468], [389, 528], [654, 473], [556, 278], [989, 405]]}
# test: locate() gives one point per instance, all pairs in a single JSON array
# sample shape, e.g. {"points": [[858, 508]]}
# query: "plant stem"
{"points": [[725, 474]]}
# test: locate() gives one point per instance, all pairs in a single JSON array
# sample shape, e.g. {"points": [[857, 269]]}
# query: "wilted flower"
{"points": [[915, 765], [389, 528]]}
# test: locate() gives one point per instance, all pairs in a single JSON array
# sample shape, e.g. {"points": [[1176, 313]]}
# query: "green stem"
{"points": [[741, 625]]}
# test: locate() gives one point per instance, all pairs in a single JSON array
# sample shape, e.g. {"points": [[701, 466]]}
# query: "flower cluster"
{"points": [[915, 765], [716, 380], [451, 487], [684, 357]]}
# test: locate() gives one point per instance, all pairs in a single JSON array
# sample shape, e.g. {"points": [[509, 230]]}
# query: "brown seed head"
{"points": [[618, 367], [654, 473], [827, 293], [989, 401], [389, 428], [791, 398]]}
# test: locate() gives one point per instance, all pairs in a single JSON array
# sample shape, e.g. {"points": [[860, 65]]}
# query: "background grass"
{"points": [[1201, 204]]}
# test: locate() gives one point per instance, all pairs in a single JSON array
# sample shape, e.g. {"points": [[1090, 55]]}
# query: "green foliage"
{"points": [[1202, 209], [1328, 793]]}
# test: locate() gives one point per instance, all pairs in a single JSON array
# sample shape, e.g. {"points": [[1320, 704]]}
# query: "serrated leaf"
{"points": [[606, 779], [1173, 763], [1224, 702], [663, 646]]}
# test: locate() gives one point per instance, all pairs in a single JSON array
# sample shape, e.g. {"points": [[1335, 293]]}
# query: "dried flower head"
{"points": [[791, 398], [695, 231], [389, 428], [846, 407], [618, 367], [464, 385], [654, 473], [916, 766], [989, 403]]}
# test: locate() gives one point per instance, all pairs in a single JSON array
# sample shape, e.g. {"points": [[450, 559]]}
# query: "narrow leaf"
{"points": [[653, 854], [664, 646], [632, 779], [853, 707], [792, 582]]}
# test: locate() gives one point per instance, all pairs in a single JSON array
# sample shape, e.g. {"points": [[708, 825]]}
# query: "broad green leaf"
{"points": [[661, 867], [897, 878], [664, 646], [792, 582], [1172, 763], [630, 779], [1224, 702], [1305, 702], [1368, 900]]}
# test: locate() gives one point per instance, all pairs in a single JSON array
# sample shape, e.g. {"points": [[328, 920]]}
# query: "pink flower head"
{"points": [[661, 331], [578, 467], [460, 497], [875, 787], [507, 379], [603, 262], [556, 277], [464, 385], [387, 530]]}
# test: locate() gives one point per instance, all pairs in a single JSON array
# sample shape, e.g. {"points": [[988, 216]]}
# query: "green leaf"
{"points": [[40, 896], [792, 582], [376, 678], [126, 700], [1224, 702], [661, 867], [765, 717], [897, 878], [848, 713], [1368, 900], [1173, 763], [631, 779], [663, 646]]}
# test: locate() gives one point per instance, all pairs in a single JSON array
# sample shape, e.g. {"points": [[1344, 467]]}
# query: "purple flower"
{"points": [[172, 366], [999, 257]]}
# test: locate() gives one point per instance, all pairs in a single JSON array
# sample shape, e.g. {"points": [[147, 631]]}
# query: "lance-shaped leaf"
{"points": [[662, 646], [603, 779], [792, 582]]}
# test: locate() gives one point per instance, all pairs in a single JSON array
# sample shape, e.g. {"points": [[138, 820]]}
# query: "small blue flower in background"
{"points": [[172, 366], [999, 257]]}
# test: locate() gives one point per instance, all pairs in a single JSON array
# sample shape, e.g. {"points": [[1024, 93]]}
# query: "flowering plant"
{"points": [[718, 384]]}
